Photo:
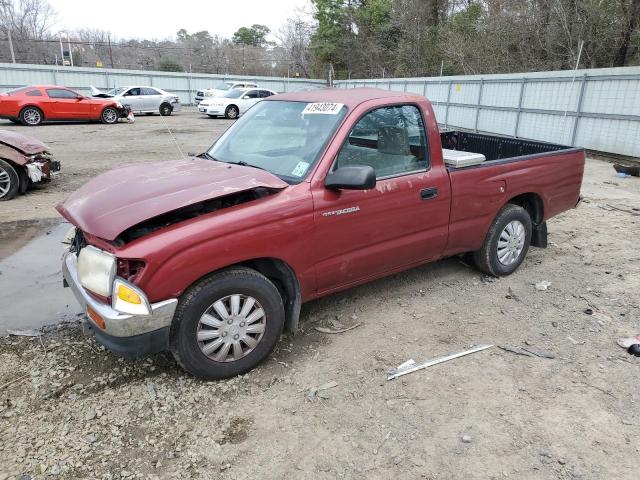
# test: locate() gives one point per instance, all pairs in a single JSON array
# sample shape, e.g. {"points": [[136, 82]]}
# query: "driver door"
{"points": [[403, 221], [134, 98], [248, 100], [67, 105]]}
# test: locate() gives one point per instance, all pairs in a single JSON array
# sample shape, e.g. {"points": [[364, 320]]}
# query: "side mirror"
{"points": [[353, 177]]}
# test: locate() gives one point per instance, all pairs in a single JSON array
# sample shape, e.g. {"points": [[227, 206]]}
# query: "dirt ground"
{"points": [[71, 410]]}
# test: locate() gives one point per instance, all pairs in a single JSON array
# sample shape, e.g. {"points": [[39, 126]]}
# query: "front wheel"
{"points": [[231, 112], [226, 324], [506, 243], [165, 109], [109, 116], [9, 181]]}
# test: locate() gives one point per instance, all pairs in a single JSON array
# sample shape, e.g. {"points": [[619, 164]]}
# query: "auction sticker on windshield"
{"points": [[323, 108], [300, 169]]}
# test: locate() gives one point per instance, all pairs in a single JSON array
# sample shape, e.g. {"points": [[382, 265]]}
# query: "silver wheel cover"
{"points": [[231, 328], [511, 243]]}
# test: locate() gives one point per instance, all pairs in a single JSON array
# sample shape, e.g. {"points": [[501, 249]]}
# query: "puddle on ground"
{"points": [[31, 293]]}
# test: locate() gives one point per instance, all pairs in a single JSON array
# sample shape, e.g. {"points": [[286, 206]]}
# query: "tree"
{"points": [[294, 38], [169, 65], [256, 35]]}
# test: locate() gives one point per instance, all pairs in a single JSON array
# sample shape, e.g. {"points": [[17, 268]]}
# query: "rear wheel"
{"points": [[227, 324], [31, 116], [506, 243], [109, 116], [231, 112], [165, 109], [9, 181]]}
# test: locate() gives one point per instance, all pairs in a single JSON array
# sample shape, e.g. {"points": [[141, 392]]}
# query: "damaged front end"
{"points": [[41, 167]]}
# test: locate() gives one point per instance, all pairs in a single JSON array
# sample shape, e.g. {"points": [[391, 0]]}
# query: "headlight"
{"points": [[127, 298], [96, 270]]}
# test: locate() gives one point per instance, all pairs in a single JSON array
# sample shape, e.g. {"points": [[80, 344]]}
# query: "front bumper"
{"points": [[117, 325], [211, 110]]}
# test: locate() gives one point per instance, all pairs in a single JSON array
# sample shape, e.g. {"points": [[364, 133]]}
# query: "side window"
{"points": [[265, 93], [239, 85], [132, 92], [34, 93], [392, 140], [61, 93], [149, 91], [252, 94]]}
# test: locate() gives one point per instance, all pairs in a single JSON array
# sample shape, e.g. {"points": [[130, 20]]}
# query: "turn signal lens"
{"points": [[97, 319], [128, 295]]}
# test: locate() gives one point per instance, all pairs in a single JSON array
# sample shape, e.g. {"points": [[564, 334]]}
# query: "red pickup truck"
{"points": [[307, 194]]}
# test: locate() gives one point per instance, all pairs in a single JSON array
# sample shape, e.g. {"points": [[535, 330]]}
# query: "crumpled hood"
{"points": [[121, 198], [27, 145]]}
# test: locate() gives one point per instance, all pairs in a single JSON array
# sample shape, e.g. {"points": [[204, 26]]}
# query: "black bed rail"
{"points": [[494, 147]]}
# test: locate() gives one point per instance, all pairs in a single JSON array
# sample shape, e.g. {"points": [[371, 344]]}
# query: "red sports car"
{"points": [[39, 103]]}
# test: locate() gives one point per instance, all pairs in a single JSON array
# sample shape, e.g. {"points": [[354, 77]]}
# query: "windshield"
{"points": [[116, 91], [280, 137], [235, 93], [224, 86]]}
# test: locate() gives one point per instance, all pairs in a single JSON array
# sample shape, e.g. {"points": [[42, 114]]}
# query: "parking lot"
{"points": [[320, 406]]}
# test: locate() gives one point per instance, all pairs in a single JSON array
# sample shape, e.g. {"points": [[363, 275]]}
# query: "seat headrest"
{"points": [[394, 140]]}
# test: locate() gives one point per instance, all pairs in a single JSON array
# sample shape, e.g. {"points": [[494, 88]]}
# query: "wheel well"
{"points": [[31, 106], [285, 280], [232, 105], [532, 203]]}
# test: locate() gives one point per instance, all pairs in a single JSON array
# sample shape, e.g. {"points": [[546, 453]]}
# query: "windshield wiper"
{"points": [[245, 164]]}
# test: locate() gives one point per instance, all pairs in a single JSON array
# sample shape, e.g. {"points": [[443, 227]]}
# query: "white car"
{"points": [[143, 99], [221, 89], [233, 103]]}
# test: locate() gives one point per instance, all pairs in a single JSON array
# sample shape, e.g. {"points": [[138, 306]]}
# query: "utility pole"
{"points": [[70, 53], [110, 51], [13, 55], [61, 52]]}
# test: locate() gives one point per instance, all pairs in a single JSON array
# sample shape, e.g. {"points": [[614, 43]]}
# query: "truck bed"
{"points": [[547, 174], [495, 147]]}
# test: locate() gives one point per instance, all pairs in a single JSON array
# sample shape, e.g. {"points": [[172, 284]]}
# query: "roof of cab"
{"points": [[351, 97]]}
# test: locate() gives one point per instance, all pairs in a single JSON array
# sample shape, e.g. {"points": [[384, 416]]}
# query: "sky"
{"points": [[153, 19]]}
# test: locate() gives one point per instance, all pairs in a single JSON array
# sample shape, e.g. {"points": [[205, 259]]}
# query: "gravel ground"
{"points": [[71, 410]]}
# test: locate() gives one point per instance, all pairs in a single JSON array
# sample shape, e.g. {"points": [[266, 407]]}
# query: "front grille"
{"points": [[200, 93], [78, 242]]}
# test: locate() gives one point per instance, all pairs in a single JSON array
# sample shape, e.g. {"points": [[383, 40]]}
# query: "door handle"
{"points": [[428, 193]]}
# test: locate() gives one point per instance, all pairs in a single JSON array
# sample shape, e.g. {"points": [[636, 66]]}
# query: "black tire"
{"points": [[487, 259], [109, 116], [200, 297], [166, 109], [31, 116], [9, 181], [231, 112]]}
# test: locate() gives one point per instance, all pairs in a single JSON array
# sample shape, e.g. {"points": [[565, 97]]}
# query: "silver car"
{"points": [[141, 99]]}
